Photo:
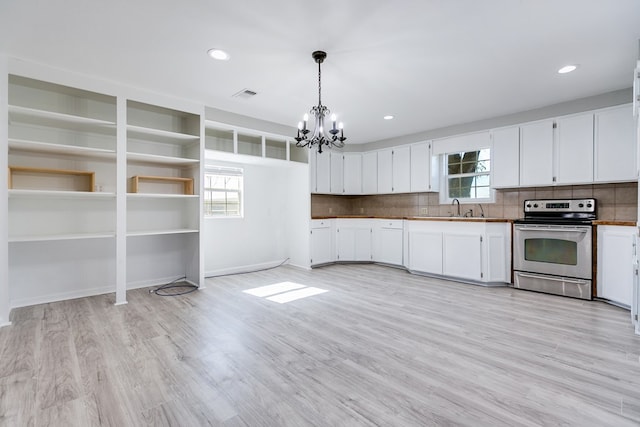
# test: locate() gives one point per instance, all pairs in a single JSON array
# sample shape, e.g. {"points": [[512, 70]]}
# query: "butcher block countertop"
{"points": [[612, 222], [416, 218]]}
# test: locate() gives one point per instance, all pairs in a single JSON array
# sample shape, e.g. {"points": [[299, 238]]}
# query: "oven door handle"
{"points": [[555, 279], [559, 230]]}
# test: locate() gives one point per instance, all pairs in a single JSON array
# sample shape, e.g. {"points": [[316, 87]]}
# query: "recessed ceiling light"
{"points": [[567, 69], [388, 117], [218, 54]]}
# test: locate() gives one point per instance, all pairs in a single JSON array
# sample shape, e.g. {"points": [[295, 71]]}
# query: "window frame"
{"points": [[224, 172], [445, 198]]}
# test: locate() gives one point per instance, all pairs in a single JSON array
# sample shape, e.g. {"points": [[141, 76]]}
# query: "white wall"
{"points": [[275, 223], [4, 201]]}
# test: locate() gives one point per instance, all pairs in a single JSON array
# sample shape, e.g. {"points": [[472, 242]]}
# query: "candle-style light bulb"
{"points": [[333, 121], [341, 127]]}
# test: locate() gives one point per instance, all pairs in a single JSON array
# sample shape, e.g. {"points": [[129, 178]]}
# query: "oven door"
{"points": [[560, 250]]}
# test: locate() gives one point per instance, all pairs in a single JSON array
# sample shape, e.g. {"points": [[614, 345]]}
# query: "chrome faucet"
{"points": [[458, 202], [481, 210]]}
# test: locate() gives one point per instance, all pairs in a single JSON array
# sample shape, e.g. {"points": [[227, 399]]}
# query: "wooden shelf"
{"points": [[90, 176], [187, 182]]}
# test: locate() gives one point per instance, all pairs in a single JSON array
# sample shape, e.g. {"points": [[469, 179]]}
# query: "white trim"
{"points": [[212, 274]]}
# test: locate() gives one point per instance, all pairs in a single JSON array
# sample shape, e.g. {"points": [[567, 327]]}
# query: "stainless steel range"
{"points": [[552, 247]]}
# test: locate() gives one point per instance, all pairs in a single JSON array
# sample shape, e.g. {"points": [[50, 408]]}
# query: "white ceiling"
{"points": [[430, 63]]}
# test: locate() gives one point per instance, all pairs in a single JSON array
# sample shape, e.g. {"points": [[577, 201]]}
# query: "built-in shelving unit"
{"points": [[61, 155], [163, 198], [227, 140]]}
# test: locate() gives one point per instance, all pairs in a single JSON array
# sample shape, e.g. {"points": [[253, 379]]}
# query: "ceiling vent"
{"points": [[245, 94]]}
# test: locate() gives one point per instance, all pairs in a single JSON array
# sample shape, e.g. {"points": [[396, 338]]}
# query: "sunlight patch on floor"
{"points": [[284, 292]]}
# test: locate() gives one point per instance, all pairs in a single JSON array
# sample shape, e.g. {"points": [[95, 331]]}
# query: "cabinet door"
{"points": [[323, 173], [574, 149], [321, 245], [425, 252], [337, 171], [313, 187], [354, 243], [616, 263], [370, 173], [462, 255], [536, 153], [423, 176], [401, 170], [385, 174], [615, 145], [353, 173], [505, 156], [388, 242]]}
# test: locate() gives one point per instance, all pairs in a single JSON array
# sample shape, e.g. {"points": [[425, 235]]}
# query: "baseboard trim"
{"points": [[244, 268]]}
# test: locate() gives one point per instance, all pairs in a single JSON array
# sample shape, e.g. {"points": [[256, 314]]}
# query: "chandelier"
{"points": [[319, 136]]}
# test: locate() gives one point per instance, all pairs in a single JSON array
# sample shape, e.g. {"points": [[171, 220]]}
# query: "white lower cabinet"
{"points": [[476, 251], [615, 268], [388, 241], [353, 240], [425, 250], [322, 242], [462, 254]]}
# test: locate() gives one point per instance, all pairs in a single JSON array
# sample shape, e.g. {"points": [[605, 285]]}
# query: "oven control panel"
{"points": [[560, 205]]}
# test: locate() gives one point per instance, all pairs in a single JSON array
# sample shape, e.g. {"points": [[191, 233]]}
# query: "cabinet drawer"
{"points": [[320, 223], [391, 223]]}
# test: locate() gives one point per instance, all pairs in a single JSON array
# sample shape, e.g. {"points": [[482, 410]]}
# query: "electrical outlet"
{"points": [[361, 210], [424, 211], [330, 210]]}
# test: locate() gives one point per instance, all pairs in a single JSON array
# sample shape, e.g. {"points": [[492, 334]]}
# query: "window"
{"points": [[467, 176], [223, 192]]}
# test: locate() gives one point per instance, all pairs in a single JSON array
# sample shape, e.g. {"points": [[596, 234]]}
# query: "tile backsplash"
{"points": [[615, 202]]}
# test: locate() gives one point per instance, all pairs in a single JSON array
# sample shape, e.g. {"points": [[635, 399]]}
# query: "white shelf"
{"points": [[54, 194], [156, 159], [140, 132], [49, 148], [34, 116], [161, 196], [56, 237], [161, 232]]}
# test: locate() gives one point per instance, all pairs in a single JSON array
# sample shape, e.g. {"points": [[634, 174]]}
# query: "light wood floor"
{"points": [[382, 348]]}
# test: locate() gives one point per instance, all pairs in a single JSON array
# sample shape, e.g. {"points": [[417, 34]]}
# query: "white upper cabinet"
{"points": [[370, 172], [615, 145], [536, 153], [505, 156], [423, 168], [323, 173], [385, 171], [401, 169], [574, 149], [352, 173], [337, 167]]}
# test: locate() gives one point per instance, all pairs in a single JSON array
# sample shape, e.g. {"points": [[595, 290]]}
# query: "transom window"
{"points": [[467, 175], [223, 189]]}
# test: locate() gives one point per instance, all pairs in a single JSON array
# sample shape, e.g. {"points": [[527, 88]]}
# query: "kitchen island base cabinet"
{"points": [[615, 267]]}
